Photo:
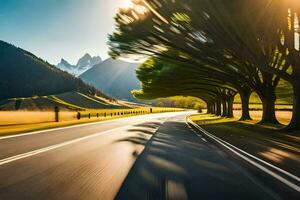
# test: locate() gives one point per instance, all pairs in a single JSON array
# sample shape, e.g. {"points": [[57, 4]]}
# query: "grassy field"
{"points": [[68, 101], [19, 115], [12, 122], [265, 141], [258, 106], [283, 117]]}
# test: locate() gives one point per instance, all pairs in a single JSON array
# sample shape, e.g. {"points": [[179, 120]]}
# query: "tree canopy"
{"points": [[202, 47]]}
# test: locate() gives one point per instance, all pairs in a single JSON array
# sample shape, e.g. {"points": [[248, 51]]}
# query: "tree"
{"points": [[158, 78], [222, 37]]}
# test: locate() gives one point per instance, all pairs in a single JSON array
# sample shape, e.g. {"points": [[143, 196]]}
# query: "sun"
{"points": [[126, 3]]}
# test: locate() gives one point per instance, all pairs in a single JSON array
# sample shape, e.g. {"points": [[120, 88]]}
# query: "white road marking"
{"points": [[57, 129], [235, 150], [56, 146], [204, 139]]}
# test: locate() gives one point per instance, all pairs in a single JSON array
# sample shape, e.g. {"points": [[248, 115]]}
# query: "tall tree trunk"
{"points": [[245, 97], [230, 106], [224, 105], [294, 60], [268, 98], [295, 121], [213, 106], [208, 108], [218, 107]]}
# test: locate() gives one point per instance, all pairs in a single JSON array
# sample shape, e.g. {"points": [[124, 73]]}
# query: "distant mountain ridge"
{"points": [[64, 65], [114, 77], [84, 63], [22, 74]]}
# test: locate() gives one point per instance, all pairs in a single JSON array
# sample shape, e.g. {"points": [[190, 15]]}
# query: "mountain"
{"points": [[83, 64], [114, 77], [22, 74], [87, 61], [65, 65]]}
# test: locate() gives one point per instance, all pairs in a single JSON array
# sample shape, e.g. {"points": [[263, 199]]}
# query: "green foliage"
{"points": [[213, 36], [180, 102], [165, 79], [215, 49]]}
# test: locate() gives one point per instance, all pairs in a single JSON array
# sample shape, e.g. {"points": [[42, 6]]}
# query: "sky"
{"points": [[55, 29]]}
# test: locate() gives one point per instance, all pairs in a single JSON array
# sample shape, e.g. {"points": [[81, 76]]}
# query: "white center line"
{"points": [[56, 146]]}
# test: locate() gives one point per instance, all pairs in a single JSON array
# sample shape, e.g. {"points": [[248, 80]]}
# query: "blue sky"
{"points": [[52, 29]]}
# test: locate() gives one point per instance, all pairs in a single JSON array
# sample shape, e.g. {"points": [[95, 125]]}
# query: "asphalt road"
{"points": [[122, 159]]}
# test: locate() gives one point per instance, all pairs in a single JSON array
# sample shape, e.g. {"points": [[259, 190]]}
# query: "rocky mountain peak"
{"points": [[83, 64]]}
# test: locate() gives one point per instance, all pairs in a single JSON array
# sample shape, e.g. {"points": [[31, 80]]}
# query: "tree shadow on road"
{"points": [[177, 163], [152, 125], [135, 140], [142, 133], [139, 130]]}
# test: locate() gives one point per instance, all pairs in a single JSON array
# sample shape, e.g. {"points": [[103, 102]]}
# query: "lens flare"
{"points": [[126, 4]]}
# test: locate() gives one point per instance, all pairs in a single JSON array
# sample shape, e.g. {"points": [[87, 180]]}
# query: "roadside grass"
{"points": [[283, 117], [14, 122], [23, 128], [202, 119], [266, 141]]}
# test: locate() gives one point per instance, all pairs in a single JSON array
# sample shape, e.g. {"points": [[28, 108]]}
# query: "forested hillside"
{"points": [[22, 74]]}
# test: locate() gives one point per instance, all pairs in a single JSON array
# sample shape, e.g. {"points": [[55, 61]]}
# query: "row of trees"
{"points": [[214, 49]]}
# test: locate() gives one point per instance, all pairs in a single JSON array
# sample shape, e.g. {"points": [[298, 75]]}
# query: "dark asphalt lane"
{"points": [[123, 157]]}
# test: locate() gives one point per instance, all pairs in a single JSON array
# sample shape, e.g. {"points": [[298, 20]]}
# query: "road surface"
{"points": [[157, 156]]}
